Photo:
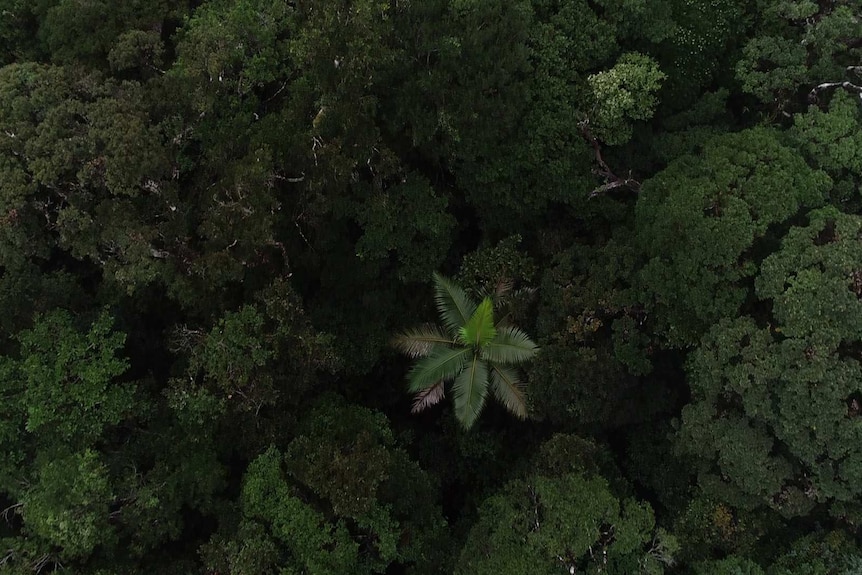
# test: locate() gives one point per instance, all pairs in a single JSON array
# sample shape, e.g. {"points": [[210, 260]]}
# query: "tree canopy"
{"points": [[251, 249]]}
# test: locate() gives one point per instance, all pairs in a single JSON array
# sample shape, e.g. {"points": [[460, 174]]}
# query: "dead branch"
{"points": [[848, 86], [612, 181]]}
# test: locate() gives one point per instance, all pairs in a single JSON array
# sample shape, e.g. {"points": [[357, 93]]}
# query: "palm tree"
{"points": [[471, 350]]}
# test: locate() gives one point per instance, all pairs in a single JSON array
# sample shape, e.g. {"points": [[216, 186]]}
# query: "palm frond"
{"points": [[498, 290], [479, 329], [525, 293], [428, 397], [420, 341], [509, 390], [502, 289], [511, 346], [442, 364], [453, 303], [469, 390]]}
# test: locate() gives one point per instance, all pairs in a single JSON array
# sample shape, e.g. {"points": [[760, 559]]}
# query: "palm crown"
{"points": [[471, 350]]}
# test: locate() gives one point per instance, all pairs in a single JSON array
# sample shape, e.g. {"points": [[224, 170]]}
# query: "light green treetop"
{"points": [[624, 94]]}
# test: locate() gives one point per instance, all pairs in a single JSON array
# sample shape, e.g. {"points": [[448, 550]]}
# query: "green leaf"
{"points": [[454, 305], [442, 364], [509, 390], [511, 346], [480, 328], [420, 341], [470, 389]]}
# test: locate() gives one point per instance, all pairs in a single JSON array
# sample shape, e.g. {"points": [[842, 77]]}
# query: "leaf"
{"points": [[509, 390], [502, 289], [511, 346], [442, 364], [498, 291], [479, 330], [428, 397], [454, 305], [420, 341], [470, 389]]}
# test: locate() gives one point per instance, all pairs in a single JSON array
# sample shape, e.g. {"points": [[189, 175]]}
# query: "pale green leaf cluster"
{"points": [[624, 94], [70, 376], [68, 505]]}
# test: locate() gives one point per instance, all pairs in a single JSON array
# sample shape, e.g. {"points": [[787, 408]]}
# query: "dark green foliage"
{"points": [[409, 219], [708, 528], [799, 45], [819, 553], [587, 376], [729, 566], [694, 47], [343, 497], [772, 68], [86, 30], [687, 131], [781, 399], [652, 464], [214, 215], [831, 140], [17, 31], [515, 145], [487, 267], [564, 519], [699, 219]]}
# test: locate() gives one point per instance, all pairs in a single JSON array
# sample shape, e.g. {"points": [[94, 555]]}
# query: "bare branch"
{"points": [[612, 181], [5, 513], [848, 86], [290, 179]]}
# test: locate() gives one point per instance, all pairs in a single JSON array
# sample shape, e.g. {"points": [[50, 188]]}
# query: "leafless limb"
{"points": [[44, 560], [846, 85], [612, 181], [292, 180], [849, 86], [5, 513], [256, 403], [299, 229], [10, 554], [183, 338], [534, 497], [277, 92]]}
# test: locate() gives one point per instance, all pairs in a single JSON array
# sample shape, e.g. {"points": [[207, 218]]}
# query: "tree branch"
{"points": [[612, 181], [5, 513], [848, 86]]}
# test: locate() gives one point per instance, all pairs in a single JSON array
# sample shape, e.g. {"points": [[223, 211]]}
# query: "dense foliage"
{"points": [[636, 225]]}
